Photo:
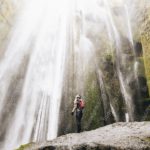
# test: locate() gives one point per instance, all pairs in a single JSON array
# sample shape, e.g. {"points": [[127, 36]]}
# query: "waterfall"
{"points": [[46, 38], [39, 38]]}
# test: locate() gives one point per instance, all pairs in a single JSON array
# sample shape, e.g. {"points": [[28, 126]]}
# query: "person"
{"points": [[78, 109]]}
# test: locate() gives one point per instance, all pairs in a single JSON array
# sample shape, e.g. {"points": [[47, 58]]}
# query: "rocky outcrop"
{"points": [[118, 136]]}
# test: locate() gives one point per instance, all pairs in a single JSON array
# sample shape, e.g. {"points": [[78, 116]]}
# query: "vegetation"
{"points": [[93, 113], [22, 147], [145, 39]]}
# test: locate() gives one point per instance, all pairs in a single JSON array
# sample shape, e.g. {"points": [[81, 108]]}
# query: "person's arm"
{"points": [[75, 106]]}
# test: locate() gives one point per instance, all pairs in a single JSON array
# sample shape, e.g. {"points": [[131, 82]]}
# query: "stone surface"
{"points": [[118, 136]]}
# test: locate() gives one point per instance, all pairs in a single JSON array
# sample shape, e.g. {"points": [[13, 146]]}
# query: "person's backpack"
{"points": [[81, 104]]}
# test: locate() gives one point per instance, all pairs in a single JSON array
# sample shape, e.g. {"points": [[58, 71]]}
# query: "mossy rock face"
{"points": [[93, 112], [23, 147], [145, 38], [112, 82], [148, 83], [147, 62], [147, 139], [140, 66]]}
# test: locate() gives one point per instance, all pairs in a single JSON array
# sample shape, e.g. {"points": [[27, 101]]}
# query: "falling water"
{"points": [[46, 35], [40, 36]]}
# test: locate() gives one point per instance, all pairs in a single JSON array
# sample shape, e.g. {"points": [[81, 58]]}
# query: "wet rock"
{"points": [[118, 136]]}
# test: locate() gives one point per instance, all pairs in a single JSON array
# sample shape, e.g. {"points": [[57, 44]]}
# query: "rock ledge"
{"points": [[118, 136]]}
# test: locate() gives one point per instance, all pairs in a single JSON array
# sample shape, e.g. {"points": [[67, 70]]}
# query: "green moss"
{"points": [[22, 147], [146, 54], [108, 57], [148, 83], [93, 110], [147, 139], [141, 68]]}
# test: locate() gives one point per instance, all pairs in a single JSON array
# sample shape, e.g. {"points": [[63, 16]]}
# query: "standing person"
{"points": [[78, 109]]}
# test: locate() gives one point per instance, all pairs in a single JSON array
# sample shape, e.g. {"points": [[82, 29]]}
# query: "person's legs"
{"points": [[78, 120]]}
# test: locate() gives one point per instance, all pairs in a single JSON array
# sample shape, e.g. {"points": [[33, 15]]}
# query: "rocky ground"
{"points": [[118, 136]]}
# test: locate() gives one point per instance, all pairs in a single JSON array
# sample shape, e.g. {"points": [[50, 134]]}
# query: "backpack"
{"points": [[81, 104]]}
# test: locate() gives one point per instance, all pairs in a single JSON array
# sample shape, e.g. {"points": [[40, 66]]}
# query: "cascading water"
{"points": [[40, 36], [48, 36]]}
